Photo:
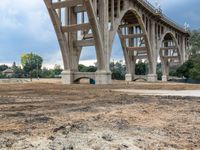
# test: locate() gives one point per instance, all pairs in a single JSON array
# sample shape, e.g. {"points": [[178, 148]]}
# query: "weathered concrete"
{"points": [[144, 32]]}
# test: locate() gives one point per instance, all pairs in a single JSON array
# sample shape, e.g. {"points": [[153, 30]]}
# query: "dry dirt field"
{"points": [[51, 116]]}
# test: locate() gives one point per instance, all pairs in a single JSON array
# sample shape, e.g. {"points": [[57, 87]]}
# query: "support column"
{"points": [[103, 75], [152, 76], [165, 70], [183, 50], [131, 59], [73, 56]]}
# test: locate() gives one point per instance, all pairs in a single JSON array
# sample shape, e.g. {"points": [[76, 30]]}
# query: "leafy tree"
{"points": [[159, 71], [141, 68], [191, 68], [83, 68], [3, 67], [194, 41], [91, 69], [2, 75], [183, 71], [57, 70], [47, 73], [31, 62], [118, 70]]}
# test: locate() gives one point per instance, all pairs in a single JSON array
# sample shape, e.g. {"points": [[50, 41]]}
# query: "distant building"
{"points": [[8, 72]]}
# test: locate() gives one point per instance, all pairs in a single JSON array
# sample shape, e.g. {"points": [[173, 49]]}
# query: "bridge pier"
{"points": [[103, 77], [67, 77]]}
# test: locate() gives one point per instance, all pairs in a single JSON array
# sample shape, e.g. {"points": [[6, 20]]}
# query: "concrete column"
{"points": [[112, 14], [67, 77], [183, 50], [103, 76], [131, 59], [165, 70], [152, 76]]}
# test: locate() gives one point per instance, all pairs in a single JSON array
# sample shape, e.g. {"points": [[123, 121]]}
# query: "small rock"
{"points": [[51, 138], [107, 137], [58, 129]]}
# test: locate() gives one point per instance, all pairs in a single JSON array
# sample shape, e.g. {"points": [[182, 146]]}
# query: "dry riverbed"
{"points": [[49, 115]]}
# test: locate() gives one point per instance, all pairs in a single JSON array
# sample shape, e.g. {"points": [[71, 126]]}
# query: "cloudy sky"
{"points": [[25, 26]]}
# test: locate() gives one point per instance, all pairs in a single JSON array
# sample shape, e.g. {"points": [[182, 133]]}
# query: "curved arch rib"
{"points": [[164, 53], [96, 33], [60, 35], [143, 35]]}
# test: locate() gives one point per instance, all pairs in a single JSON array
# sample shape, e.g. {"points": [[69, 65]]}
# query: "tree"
{"points": [[3, 67], [18, 72], [83, 68], [31, 62], [118, 70], [194, 41], [141, 68], [57, 70], [191, 68]]}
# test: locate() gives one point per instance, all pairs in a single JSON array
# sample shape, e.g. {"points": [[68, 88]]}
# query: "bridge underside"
{"points": [[145, 34]]}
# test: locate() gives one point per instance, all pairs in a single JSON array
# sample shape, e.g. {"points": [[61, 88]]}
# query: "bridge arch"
{"points": [[84, 75], [169, 52], [91, 80], [130, 51]]}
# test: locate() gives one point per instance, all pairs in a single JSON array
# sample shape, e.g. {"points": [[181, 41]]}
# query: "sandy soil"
{"points": [[86, 117]]}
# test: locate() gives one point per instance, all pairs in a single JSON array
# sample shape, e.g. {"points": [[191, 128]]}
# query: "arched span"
{"points": [[118, 23], [91, 80], [114, 31], [174, 39], [140, 79]]}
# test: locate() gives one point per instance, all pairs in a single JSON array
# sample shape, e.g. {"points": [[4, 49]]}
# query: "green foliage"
{"points": [[194, 41], [83, 68], [18, 71], [2, 76], [47, 73], [31, 62], [3, 67], [173, 72], [57, 70], [141, 68], [159, 71], [191, 68], [118, 70]]}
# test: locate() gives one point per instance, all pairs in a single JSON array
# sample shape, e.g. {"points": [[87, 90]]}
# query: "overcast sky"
{"points": [[25, 26]]}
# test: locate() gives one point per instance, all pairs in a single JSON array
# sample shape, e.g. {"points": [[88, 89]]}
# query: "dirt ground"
{"points": [[50, 116]]}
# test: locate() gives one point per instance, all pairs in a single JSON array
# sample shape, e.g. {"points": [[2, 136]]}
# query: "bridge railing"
{"points": [[165, 17]]}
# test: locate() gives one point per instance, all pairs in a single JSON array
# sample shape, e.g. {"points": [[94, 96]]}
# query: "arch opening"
{"points": [[134, 41], [117, 60], [84, 80], [169, 56]]}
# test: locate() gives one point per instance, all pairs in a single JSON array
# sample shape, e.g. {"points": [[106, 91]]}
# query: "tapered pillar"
{"points": [[152, 76], [103, 74], [165, 70]]}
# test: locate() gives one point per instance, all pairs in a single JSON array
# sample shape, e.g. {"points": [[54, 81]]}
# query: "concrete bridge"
{"points": [[144, 31]]}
